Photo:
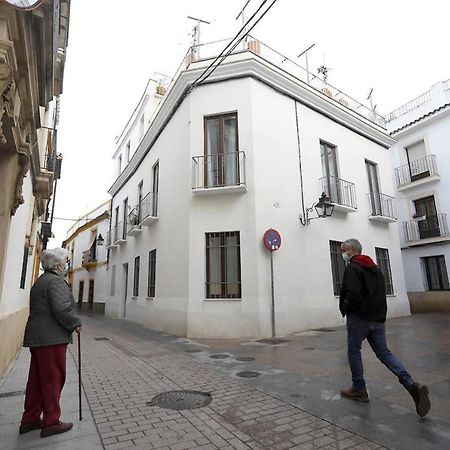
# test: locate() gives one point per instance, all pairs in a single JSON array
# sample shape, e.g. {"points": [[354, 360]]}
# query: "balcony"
{"points": [[118, 234], [109, 240], [133, 227], [219, 173], [426, 230], [341, 193], [382, 207], [147, 210], [416, 173], [89, 258]]}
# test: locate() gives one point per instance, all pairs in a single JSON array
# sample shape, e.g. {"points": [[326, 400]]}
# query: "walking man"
{"points": [[363, 301]]}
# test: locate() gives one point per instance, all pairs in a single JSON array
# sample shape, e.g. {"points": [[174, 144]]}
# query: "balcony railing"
{"points": [[416, 170], [382, 205], [425, 227], [147, 210], [117, 233], [133, 221], [89, 256], [218, 170], [341, 192]]}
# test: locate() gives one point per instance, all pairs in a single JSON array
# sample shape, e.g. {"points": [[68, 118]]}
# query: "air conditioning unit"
{"points": [[254, 46], [344, 102], [327, 92]]}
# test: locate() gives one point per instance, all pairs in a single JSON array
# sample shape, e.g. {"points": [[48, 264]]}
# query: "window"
{"points": [[427, 217], [223, 265], [382, 255], [141, 126], [91, 293], [120, 164], [140, 195], [328, 159], [436, 273], [416, 156], [337, 266], [136, 276], [155, 189], [374, 188], [23, 275], [127, 152], [221, 162], [80, 292], [125, 218], [151, 273], [113, 280]]}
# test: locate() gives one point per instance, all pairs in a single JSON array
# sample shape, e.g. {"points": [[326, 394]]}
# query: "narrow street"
{"points": [[293, 403]]}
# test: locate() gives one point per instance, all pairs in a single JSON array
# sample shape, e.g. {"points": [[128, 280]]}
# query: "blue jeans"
{"points": [[359, 329]]}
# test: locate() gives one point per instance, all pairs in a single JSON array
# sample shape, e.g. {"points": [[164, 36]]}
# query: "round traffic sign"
{"points": [[272, 240]]}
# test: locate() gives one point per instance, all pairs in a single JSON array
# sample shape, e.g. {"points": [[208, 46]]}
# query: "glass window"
{"points": [[436, 272], [384, 264], [337, 266], [151, 274], [136, 276]]}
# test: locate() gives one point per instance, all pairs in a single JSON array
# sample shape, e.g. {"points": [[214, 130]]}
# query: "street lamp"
{"points": [[324, 208], [100, 239]]}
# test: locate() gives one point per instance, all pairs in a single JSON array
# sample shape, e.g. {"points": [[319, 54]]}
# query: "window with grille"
{"points": [[151, 273], [113, 280], [223, 265], [436, 273], [80, 291], [23, 275], [337, 266], [136, 276], [384, 264], [91, 293]]}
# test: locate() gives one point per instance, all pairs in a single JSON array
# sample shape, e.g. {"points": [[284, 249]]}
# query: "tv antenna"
{"points": [[305, 52], [196, 34], [242, 14], [324, 71], [369, 97]]}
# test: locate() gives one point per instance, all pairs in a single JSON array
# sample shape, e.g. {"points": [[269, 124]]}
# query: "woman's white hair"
{"points": [[54, 257]]}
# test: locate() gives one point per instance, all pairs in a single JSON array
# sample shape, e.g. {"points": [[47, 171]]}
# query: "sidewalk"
{"points": [[294, 403], [84, 435]]}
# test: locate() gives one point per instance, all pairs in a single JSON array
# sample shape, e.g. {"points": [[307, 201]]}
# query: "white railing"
{"points": [[414, 103]]}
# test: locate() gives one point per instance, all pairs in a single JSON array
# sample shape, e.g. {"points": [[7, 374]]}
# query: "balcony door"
{"points": [[155, 189], [125, 218], [221, 161], [427, 217], [328, 159], [417, 164], [374, 188]]}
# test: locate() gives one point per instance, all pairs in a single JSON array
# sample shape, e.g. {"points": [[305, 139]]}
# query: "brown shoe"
{"points": [[353, 394], [58, 428], [30, 426], [419, 393]]}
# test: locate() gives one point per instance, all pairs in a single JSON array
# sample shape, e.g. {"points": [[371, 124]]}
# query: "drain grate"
{"points": [[179, 400], [219, 356], [101, 338], [192, 350], [248, 374], [11, 394], [273, 341], [245, 358]]}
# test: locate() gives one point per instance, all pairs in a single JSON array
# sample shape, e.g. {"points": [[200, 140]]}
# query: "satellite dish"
{"points": [[23, 4]]}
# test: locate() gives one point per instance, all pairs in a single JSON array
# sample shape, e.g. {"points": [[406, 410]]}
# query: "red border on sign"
{"points": [[266, 244]]}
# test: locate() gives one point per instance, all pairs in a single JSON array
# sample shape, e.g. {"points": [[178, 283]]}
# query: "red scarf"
{"points": [[364, 260]]}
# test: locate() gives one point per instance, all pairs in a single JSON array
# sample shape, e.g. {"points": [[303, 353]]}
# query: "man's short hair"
{"points": [[354, 244]]}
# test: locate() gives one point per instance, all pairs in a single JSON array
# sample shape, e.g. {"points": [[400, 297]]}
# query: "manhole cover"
{"points": [[219, 356], [328, 330], [179, 400], [245, 358], [11, 394], [248, 374], [192, 350], [101, 338], [273, 341]]}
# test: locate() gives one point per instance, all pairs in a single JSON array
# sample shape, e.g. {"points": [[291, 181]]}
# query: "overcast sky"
{"points": [[398, 48]]}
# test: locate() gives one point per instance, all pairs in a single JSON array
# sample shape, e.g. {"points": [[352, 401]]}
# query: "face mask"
{"points": [[346, 258]]}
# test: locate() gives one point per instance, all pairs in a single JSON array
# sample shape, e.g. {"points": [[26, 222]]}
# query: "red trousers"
{"points": [[45, 382]]}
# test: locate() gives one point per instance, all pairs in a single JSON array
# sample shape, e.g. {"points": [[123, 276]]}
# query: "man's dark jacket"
{"points": [[363, 291], [52, 319]]}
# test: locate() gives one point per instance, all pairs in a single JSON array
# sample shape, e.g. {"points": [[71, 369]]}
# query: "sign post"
{"points": [[272, 241]]}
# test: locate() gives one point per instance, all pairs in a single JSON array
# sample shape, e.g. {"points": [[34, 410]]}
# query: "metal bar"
{"points": [[273, 294]]}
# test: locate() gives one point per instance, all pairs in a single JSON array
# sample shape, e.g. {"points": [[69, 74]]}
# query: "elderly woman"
{"points": [[49, 329]]}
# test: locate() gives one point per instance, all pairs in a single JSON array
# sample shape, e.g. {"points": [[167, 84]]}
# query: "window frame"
{"points": [[440, 274], [337, 266], [136, 275], [80, 291], [151, 277], [384, 264], [223, 261]]}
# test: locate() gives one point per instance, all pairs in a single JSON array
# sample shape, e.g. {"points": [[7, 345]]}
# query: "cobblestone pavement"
{"points": [[123, 374]]}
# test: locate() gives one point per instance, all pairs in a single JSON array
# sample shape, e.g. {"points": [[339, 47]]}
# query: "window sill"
{"points": [[134, 298], [214, 300], [149, 298]]}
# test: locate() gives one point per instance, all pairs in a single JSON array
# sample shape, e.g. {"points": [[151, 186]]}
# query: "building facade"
{"points": [[85, 243], [251, 148], [421, 160], [32, 56]]}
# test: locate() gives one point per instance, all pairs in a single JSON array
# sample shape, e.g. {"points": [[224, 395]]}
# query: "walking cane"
{"points": [[79, 372]]}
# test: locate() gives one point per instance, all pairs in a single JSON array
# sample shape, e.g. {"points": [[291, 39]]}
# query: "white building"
{"points": [[421, 160], [249, 149], [32, 59], [88, 258]]}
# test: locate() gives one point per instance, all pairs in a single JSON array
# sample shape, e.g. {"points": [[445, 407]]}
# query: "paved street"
{"points": [[293, 403]]}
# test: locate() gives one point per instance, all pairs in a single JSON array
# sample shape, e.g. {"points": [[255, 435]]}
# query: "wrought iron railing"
{"points": [[339, 191], [426, 227], [382, 205], [117, 232], [218, 170], [90, 255], [415, 170], [133, 219], [414, 103], [148, 207]]}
